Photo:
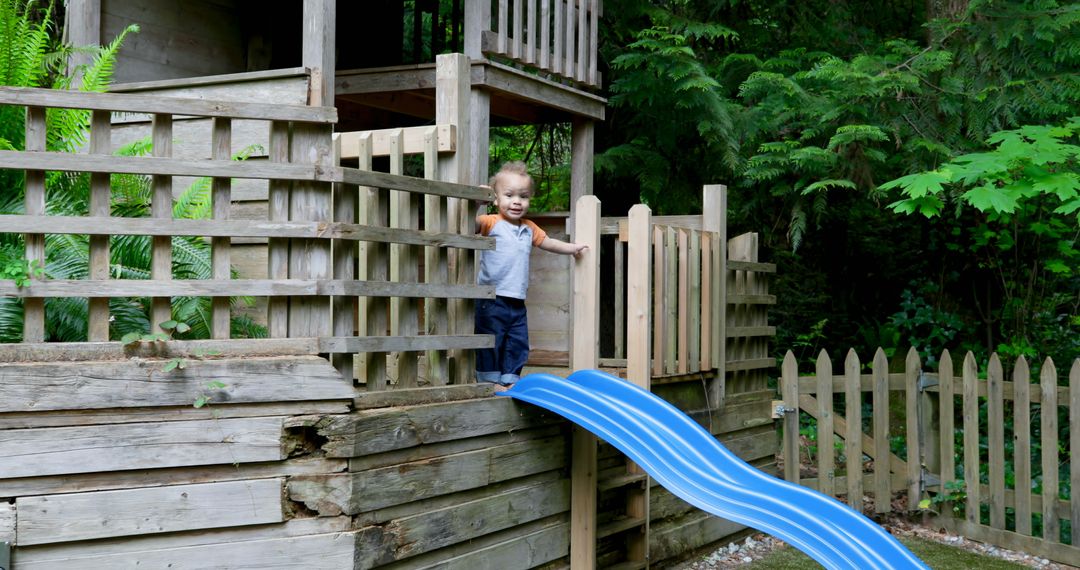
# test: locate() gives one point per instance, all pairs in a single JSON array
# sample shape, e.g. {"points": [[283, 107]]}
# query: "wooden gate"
{"points": [[987, 458]]}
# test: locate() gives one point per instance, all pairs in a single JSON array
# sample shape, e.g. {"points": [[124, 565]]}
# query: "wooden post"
{"points": [[853, 437], [318, 50], [477, 21], [789, 391], [221, 199], [971, 438], [946, 426], [1022, 449], [714, 219], [582, 138], [825, 425], [34, 203], [1048, 389], [882, 488], [584, 353], [374, 265], [995, 411], [83, 25], [452, 105], [915, 439], [161, 207], [277, 311], [344, 306], [100, 206], [637, 359]]}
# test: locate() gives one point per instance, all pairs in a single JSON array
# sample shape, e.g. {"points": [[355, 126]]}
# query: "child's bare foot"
{"points": [[503, 387]]}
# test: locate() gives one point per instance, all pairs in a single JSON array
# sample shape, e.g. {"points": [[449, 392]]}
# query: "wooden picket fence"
{"points": [[940, 440]]}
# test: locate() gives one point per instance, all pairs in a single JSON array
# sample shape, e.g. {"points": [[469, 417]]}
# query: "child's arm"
{"points": [[482, 208], [558, 246]]}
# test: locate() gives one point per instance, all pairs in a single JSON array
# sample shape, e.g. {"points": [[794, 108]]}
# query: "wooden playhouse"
{"points": [[353, 437]]}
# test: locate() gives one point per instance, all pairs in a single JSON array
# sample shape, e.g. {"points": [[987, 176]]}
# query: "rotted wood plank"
{"points": [[84, 516], [94, 385], [88, 449], [355, 493], [376, 431], [401, 538], [83, 351], [91, 288]]}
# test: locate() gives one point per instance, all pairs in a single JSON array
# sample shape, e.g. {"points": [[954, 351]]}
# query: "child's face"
{"points": [[512, 196]]}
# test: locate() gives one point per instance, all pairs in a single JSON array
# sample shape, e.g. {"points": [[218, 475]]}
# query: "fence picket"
{"points": [[221, 257], [1049, 429], [882, 491], [671, 290], [995, 408], [1022, 446], [826, 455], [659, 312], [161, 207], [912, 372], [1074, 446], [34, 205], [947, 409], [971, 438], [693, 324], [853, 437], [100, 205], [790, 394], [683, 352]]}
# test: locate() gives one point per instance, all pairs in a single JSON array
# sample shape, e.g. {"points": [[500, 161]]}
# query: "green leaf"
{"points": [[171, 365], [201, 401], [182, 327], [920, 184], [215, 385], [989, 197], [924, 504], [826, 184], [131, 338], [169, 325]]}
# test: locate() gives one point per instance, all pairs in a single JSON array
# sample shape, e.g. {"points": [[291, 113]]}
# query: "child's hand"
{"points": [[578, 248]]}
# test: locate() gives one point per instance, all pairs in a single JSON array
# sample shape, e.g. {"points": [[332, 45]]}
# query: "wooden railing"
{"points": [[321, 219], [556, 36], [953, 425]]}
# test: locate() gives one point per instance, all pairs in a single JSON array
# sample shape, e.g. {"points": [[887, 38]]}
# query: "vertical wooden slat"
{"points": [[221, 198], [568, 49], [971, 438], [947, 409], [584, 354], [637, 295], [714, 220], [34, 202], [100, 206], [912, 370], [503, 28], [374, 266], [1074, 445], [825, 425], [853, 436], [344, 306], [693, 338], [882, 490], [545, 33], [161, 207], [594, 41], [530, 33], [682, 356], [278, 248], [516, 45], [582, 40], [789, 391], [1048, 424], [659, 296], [707, 300], [671, 290], [1022, 444], [558, 38], [637, 365], [310, 201], [403, 265], [620, 299], [436, 320], [995, 408]]}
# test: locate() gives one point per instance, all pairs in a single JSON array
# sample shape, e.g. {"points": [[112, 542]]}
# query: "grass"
{"points": [[936, 555]]}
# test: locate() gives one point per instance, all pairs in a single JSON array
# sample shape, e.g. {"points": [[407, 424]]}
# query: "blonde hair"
{"points": [[512, 167]]}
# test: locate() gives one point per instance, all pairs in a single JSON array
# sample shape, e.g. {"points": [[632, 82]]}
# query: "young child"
{"points": [[507, 268]]}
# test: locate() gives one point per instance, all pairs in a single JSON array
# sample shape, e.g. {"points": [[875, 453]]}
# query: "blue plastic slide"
{"points": [[683, 457]]}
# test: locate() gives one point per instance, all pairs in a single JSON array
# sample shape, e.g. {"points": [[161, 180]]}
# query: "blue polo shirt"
{"points": [[507, 266]]}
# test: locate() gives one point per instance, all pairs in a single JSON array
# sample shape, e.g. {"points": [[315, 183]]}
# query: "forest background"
{"points": [[911, 166]]}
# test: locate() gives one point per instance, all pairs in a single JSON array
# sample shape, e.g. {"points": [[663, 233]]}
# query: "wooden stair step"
{"points": [[619, 525], [615, 478]]}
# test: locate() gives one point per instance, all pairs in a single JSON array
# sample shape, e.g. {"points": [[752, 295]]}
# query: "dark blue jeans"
{"points": [[505, 318]]}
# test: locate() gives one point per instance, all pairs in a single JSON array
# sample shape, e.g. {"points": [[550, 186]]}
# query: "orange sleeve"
{"points": [[539, 235], [486, 223]]}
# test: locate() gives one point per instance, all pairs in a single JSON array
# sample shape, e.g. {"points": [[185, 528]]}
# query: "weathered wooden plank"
{"points": [[971, 438], [83, 516], [372, 264], [382, 544], [34, 205], [947, 419], [1058, 552], [545, 34], [825, 425], [238, 287], [638, 317], [659, 295], [117, 480], [418, 343], [912, 369], [221, 199], [1022, 445], [413, 139], [334, 550], [853, 435], [674, 538], [7, 522], [95, 385], [277, 311], [436, 264], [143, 103], [683, 335], [882, 491], [404, 312], [355, 493], [376, 431], [789, 389], [160, 208], [520, 548], [81, 351], [55, 451], [995, 408], [1048, 422], [99, 206], [505, 79], [409, 184]]}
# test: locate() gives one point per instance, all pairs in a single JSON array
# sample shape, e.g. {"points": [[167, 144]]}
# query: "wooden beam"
{"points": [[89, 288], [155, 104], [513, 83], [445, 137], [318, 49]]}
